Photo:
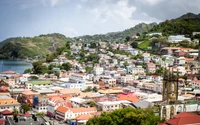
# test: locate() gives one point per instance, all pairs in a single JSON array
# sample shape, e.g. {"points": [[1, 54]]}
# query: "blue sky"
{"points": [[82, 17]]}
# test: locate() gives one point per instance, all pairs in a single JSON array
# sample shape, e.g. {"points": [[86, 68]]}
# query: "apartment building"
{"points": [[64, 113], [111, 105], [8, 103]]}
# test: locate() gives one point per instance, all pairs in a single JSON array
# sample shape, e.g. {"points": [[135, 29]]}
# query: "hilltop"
{"points": [[30, 47], [185, 25], [117, 36]]}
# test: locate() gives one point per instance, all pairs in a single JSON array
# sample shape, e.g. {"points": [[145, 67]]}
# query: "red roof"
{"points": [[62, 109], [8, 72], [183, 118], [6, 112], [2, 121], [27, 114], [130, 97]]}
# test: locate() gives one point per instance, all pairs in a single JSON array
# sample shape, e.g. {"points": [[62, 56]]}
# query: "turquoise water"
{"points": [[17, 66]]}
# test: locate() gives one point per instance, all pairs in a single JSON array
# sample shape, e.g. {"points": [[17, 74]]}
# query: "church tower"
{"points": [[170, 86]]}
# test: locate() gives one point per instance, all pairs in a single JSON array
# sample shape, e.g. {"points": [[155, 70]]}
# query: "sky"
{"points": [[27, 18]]}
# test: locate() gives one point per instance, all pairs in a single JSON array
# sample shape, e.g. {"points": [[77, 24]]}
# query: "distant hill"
{"points": [[28, 47], [117, 36], [185, 25]]}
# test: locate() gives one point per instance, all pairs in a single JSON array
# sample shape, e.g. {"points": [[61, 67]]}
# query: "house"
{"points": [[40, 104], [37, 83], [98, 70], [180, 61], [138, 70], [151, 67], [78, 77], [28, 95], [195, 84], [169, 50], [56, 101], [77, 102], [72, 91], [111, 105], [178, 38], [126, 79], [64, 113], [127, 96], [75, 85], [109, 81], [8, 103]]}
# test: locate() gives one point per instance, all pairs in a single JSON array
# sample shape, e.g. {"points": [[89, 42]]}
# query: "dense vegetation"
{"points": [[126, 116], [117, 36], [184, 25], [31, 47]]}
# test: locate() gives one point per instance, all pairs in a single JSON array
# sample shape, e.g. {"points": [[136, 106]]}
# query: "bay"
{"points": [[14, 65]]}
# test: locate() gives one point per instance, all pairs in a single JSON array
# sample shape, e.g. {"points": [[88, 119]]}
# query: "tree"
{"points": [[93, 45], [88, 89], [137, 34], [126, 64], [67, 66], [95, 89], [40, 114], [88, 69], [68, 45], [134, 44], [34, 78], [127, 39], [38, 68], [27, 71], [159, 71], [126, 116], [15, 112], [92, 104], [24, 108]]}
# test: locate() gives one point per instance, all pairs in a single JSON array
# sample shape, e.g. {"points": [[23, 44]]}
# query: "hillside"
{"points": [[185, 25], [117, 36], [28, 47]]}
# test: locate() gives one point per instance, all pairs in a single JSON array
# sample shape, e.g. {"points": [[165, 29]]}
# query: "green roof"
{"points": [[39, 82]]}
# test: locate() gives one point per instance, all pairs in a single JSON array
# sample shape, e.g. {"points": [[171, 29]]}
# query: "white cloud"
{"points": [[151, 2], [119, 13], [79, 7], [51, 2]]}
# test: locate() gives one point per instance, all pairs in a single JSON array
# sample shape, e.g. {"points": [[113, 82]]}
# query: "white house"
{"points": [[138, 70], [76, 102], [111, 105], [64, 113], [78, 77], [78, 85], [178, 38], [126, 79], [98, 70], [195, 84]]}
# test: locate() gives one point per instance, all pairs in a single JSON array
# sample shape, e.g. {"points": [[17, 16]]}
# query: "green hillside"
{"points": [[184, 25], [31, 46], [117, 36]]}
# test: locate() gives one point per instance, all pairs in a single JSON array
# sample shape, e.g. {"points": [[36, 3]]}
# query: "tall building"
{"points": [[168, 108], [170, 87]]}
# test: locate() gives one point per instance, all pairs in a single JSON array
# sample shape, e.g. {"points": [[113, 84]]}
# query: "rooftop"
{"points": [[77, 100], [27, 121], [113, 102]]}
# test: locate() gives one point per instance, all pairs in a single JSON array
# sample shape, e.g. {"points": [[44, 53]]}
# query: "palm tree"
{"points": [[15, 112]]}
